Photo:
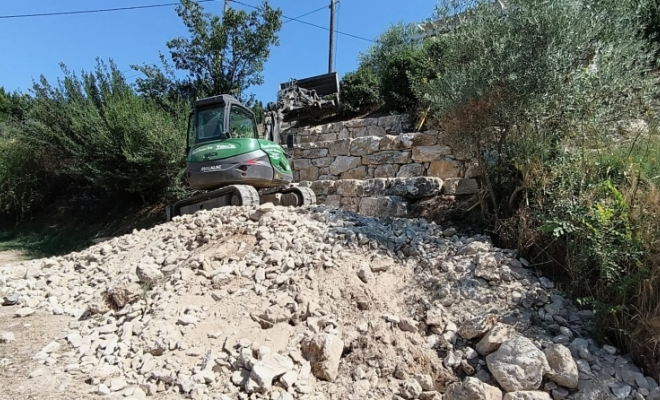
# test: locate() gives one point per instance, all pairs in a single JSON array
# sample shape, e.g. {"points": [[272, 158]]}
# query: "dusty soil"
{"points": [[21, 377], [11, 256]]}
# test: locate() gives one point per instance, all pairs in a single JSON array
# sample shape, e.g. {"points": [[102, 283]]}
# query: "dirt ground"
{"points": [[11, 256], [21, 377]]}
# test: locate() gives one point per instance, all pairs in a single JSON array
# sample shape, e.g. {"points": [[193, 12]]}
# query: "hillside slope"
{"points": [[308, 303]]}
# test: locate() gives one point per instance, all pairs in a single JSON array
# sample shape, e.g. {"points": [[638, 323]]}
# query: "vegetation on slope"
{"points": [[557, 101]]}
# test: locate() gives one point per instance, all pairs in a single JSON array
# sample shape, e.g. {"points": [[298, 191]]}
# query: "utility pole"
{"points": [[226, 6], [331, 60]]}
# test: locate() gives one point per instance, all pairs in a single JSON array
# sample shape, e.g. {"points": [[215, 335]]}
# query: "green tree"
{"points": [[92, 134], [222, 55], [406, 69], [259, 110], [536, 95], [360, 91], [13, 106], [5, 105], [395, 39]]}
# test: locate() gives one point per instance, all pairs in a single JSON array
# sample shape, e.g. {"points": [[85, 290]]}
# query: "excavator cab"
{"points": [[219, 118], [224, 148]]}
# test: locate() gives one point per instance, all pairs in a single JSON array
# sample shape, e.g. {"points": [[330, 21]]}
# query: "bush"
{"points": [[387, 73], [405, 69], [542, 88], [24, 181], [359, 92], [95, 136]]}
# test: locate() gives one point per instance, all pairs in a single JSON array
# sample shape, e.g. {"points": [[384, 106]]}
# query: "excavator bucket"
{"points": [[313, 97]]}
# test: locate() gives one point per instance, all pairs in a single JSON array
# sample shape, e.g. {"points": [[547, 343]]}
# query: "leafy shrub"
{"points": [[387, 73], [96, 135], [23, 179], [405, 69], [359, 91], [541, 87]]}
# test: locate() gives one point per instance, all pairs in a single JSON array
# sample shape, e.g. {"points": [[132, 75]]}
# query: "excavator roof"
{"points": [[221, 98]]}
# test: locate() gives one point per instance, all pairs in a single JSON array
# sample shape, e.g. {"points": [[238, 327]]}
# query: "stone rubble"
{"points": [[313, 303]]}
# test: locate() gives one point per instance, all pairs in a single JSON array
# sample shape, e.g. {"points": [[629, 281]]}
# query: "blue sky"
{"points": [[35, 46]]}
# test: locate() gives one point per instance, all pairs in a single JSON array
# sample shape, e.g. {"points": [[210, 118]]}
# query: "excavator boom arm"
{"points": [[297, 100]]}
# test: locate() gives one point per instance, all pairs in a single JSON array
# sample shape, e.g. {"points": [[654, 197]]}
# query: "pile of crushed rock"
{"points": [[313, 303]]}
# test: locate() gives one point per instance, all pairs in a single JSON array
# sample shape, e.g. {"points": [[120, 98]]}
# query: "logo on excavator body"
{"points": [[197, 150], [227, 146], [211, 168]]}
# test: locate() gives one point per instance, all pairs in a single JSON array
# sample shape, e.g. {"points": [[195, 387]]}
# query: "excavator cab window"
{"points": [[209, 123], [242, 123]]}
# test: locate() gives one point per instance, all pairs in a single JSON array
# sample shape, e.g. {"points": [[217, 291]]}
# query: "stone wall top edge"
{"points": [[386, 120]]}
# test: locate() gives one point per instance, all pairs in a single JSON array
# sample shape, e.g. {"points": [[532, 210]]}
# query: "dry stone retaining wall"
{"points": [[378, 151], [375, 197]]}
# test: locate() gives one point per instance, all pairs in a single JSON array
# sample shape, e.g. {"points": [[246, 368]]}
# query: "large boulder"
{"points": [[343, 164], [323, 351], [415, 188], [477, 327], [472, 389], [494, 338], [563, 369], [527, 395], [518, 365], [365, 145], [430, 153]]}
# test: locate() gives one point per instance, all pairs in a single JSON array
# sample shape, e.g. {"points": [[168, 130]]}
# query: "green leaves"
{"points": [[389, 73], [360, 91], [95, 134], [220, 56]]}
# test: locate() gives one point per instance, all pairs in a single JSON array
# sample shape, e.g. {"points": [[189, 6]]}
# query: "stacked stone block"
{"points": [[376, 166], [373, 148], [376, 197]]}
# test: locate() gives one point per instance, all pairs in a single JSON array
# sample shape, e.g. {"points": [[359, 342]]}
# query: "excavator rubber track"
{"points": [[241, 195]]}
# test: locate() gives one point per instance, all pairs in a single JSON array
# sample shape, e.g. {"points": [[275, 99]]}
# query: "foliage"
{"points": [[389, 71], [24, 180], [4, 105], [393, 40], [12, 106], [360, 91], [95, 134], [221, 56], [649, 11], [405, 70], [259, 111], [537, 95]]}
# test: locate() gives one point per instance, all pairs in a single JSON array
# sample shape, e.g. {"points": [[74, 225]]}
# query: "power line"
{"points": [[175, 4], [307, 23], [306, 14], [291, 19], [96, 11]]}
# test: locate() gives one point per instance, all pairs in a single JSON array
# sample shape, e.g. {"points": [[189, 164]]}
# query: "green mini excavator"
{"points": [[231, 165]]}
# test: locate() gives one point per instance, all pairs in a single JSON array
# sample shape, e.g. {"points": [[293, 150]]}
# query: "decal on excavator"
{"points": [[228, 146], [203, 148], [211, 168], [221, 146]]}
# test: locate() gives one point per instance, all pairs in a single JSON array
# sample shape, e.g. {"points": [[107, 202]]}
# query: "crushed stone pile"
{"points": [[313, 303]]}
